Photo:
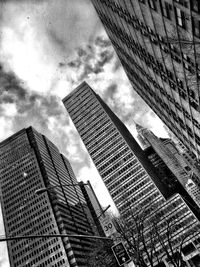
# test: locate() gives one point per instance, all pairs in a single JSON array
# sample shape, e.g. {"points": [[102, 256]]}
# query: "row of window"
{"points": [[143, 198], [157, 67], [105, 128], [23, 208], [123, 170], [113, 159], [125, 176], [99, 145], [76, 112], [29, 174], [80, 101], [165, 8], [80, 121], [94, 126], [109, 154], [88, 119], [34, 250], [14, 222], [144, 203], [12, 145], [77, 94], [14, 155], [111, 143], [118, 164], [136, 196], [138, 181], [30, 222], [40, 257]]}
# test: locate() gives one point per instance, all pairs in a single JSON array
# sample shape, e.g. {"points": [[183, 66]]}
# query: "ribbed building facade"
{"points": [[29, 161], [158, 44], [102, 133], [130, 177]]}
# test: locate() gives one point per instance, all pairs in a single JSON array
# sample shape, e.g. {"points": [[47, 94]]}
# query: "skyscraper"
{"points": [[110, 145], [158, 44], [166, 158], [29, 161], [126, 171], [167, 153]]}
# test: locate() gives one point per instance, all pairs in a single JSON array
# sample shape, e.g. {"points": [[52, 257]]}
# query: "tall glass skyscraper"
{"points": [[30, 161], [158, 44], [125, 169], [111, 147]]}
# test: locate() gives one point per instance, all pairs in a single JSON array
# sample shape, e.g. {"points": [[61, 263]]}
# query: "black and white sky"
{"points": [[47, 48]]}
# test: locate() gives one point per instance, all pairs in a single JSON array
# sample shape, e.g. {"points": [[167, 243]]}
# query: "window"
{"points": [[182, 2], [166, 10], [188, 249], [152, 4], [187, 66], [191, 93], [196, 27], [195, 5], [180, 17], [180, 83], [186, 57]]}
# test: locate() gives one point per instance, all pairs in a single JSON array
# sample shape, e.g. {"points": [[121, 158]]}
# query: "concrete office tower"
{"points": [[164, 155], [29, 161], [158, 44], [126, 171]]}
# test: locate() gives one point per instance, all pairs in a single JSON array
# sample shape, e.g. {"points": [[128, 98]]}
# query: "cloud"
{"points": [[37, 35], [92, 58], [10, 87], [22, 107], [57, 40]]}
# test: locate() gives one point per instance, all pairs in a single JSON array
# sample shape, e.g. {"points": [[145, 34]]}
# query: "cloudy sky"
{"points": [[47, 48]]}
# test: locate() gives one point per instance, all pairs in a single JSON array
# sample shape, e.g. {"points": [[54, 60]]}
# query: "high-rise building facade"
{"points": [[103, 135], [125, 169], [158, 44], [29, 161]]}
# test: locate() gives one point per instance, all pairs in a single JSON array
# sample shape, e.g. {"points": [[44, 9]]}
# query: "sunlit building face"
{"points": [[29, 161]]}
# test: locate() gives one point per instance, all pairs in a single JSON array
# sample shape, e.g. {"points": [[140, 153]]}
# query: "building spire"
{"points": [[139, 128]]}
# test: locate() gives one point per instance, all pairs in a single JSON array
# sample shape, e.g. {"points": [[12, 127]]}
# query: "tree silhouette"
{"points": [[149, 236]]}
